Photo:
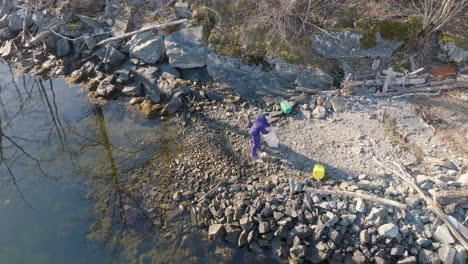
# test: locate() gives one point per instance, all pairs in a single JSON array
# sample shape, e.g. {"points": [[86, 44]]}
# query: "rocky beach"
{"points": [[369, 133]]}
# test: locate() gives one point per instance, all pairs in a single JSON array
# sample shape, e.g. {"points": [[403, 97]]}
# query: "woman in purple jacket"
{"points": [[258, 127]]}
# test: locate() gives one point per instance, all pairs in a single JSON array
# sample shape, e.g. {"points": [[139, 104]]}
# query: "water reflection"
{"points": [[55, 147]]}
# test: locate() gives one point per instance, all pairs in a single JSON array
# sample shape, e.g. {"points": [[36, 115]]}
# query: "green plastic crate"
{"points": [[285, 107]]}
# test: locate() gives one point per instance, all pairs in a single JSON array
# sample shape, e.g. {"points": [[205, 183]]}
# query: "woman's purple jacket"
{"points": [[259, 126]]}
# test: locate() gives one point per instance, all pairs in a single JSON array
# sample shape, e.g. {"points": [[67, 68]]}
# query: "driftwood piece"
{"points": [[407, 178], [395, 81], [425, 89], [314, 92], [129, 34], [457, 197], [371, 198]]}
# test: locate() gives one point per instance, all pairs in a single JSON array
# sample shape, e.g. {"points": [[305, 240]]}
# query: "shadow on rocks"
{"points": [[284, 155]]}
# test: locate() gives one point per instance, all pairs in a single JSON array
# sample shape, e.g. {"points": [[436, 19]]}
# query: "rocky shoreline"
{"points": [[262, 206]]}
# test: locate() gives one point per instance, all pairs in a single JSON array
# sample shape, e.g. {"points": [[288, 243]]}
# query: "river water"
{"points": [[61, 158], [83, 183]]}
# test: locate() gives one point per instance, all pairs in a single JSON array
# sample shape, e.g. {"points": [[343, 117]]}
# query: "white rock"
{"points": [[388, 230]]}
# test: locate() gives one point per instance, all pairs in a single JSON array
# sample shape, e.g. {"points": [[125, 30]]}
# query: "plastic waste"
{"points": [[272, 139], [318, 172], [286, 107]]}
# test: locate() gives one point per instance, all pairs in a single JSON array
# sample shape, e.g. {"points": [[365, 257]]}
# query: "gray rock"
{"points": [[301, 231], [242, 238], [216, 232], [264, 227], [133, 89], [173, 106], [397, 250], [347, 44], [298, 252], [319, 112], [424, 256], [443, 234], [63, 47], [106, 88], [338, 104], [147, 47], [147, 76], [182, 10], [407, 260], [122, 23], [110, 55], [232, 234], [360, 206], [246, 223], [388, 230], [447, 254], [6, 34], [460, 258], [377, 216], [15, 21], [455, 53], [318, 253], [364, 237], [463, 180], [90, 42], [185, 48]]}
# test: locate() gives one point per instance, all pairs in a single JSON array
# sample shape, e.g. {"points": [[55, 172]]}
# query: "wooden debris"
{"points": [[395, 81], [388, 79], [126, 35], [358, 195], [450, 199], [407, 178], [424, 89]]}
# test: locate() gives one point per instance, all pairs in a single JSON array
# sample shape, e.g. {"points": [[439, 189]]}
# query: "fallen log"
{"points": [[371, 198], [315, 92], [425, 89], [407, 178], [129, 34], [395, 81]]}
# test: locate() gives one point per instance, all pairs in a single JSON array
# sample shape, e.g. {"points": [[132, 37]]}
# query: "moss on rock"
{"points": [[388, 29], [459, 41]]}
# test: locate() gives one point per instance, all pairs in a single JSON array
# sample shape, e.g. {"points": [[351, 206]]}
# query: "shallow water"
{"points": [[59, 156]]}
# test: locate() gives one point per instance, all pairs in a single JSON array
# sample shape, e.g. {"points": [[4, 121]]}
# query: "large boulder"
{"points": [[455, 53], [15, 21], [6, 34], [147, 47], [182, 10], [63, 47], [250, 81], [110, 55], [186, 48], [337, 45]]}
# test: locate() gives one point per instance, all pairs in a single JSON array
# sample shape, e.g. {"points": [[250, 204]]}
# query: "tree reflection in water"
{"points": [[40, 129]]}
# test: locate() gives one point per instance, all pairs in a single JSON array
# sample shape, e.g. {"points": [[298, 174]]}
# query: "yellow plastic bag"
{"points": [[318, 172]]}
